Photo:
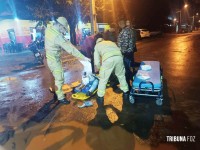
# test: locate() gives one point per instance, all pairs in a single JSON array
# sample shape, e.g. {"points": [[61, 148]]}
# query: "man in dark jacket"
{"points": [[125, 43]]}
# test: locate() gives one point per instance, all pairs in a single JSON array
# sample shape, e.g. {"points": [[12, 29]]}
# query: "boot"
{"points": [[55, 97], [126, 101], [100, 102], [64, 101]]}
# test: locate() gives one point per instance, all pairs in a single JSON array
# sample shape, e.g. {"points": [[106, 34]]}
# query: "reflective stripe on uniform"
{"points": [[110, 54], [80, 56], [50, 57], [51, 33], [58, 71]]}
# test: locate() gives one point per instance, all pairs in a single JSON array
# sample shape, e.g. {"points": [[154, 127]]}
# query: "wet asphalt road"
{"points": [[29, 119]]}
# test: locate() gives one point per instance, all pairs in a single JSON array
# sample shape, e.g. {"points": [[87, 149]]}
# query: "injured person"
{"points": [[89, 84]]}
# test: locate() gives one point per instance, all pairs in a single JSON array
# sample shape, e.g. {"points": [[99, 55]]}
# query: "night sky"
{"points": [[143, 13]]}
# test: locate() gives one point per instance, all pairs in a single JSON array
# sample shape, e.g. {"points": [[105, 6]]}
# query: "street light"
{"points": [[175, 21], [180, 20], [186, 5], [193, 16], [194, 20]]}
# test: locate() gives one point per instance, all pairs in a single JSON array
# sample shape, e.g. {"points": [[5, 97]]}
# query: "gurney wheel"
{"points": [[159, 102], [131, 99]]}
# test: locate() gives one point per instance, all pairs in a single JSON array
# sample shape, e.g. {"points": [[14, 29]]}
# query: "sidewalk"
{"points": [[15, 62]]}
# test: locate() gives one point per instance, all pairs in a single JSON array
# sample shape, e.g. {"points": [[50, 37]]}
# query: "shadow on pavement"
{"points": [[75, 136], [41, 114], [39, 127], [102, 134], [9, 132], [144, 114], [138, 119]]}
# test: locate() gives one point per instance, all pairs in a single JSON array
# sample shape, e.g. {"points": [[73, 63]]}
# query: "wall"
{"points": [[21, 28]]}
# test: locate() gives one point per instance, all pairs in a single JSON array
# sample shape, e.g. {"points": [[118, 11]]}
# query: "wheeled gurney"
{"points": [[148, 82]]}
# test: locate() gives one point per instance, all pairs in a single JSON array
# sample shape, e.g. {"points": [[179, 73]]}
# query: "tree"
{"points": [[47, 10], [4, 8]]}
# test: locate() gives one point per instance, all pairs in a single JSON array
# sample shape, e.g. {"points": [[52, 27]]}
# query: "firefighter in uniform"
{"points": [[54, 43], [108, 59]]}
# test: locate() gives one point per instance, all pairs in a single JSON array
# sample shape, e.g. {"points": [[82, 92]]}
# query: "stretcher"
{"points": [[87, 89], [148, 82]]}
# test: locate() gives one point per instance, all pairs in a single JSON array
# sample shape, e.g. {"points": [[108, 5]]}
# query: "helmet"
{"points": [[63, 21]]}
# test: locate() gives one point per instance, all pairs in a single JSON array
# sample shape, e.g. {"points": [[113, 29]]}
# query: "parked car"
{"points": [[186, 28], [144, 33]]}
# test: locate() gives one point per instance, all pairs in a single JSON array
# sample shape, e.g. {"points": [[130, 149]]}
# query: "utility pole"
{"points": [[179, 21], [193, 22], [93, 17]]}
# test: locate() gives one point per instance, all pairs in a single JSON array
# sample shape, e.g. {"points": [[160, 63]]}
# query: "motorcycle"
{"points": [[39, 57]]}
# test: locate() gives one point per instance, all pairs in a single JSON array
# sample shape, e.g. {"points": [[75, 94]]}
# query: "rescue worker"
{"points": [[54, 43], [108, 59], [125, 43]]}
